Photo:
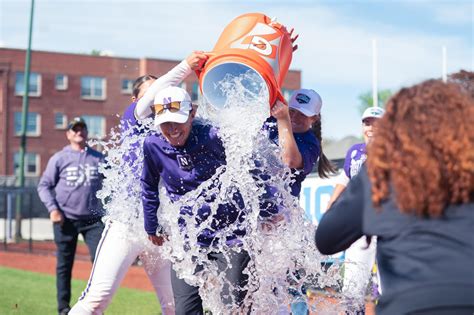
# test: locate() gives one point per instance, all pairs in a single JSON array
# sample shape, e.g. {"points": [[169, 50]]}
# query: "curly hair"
{"points": [[423, 151], [465, 79]]}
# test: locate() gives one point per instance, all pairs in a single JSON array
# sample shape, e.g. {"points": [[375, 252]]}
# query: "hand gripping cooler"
{"points": [[253, 44]]}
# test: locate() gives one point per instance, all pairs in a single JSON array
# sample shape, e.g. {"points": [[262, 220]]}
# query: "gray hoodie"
{"points": [[70, 183]]}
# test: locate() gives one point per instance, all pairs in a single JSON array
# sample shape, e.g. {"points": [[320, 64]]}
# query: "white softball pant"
{"points": [[116, 252], [358, 264]]}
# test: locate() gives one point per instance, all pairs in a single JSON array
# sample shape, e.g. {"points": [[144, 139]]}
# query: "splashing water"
{"points": [[283, 257], [279, 246], [121, 193]]}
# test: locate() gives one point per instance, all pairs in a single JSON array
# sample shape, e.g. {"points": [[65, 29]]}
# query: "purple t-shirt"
{"points": [[355, 158], [183, 169]]}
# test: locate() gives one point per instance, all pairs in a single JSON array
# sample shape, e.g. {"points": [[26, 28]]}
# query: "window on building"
{"points": [[93, 88], [196, 92], [95, 126], [61, 82], [32, 164], [33, 124], [60, 121], [127, 86], [34, 87]]}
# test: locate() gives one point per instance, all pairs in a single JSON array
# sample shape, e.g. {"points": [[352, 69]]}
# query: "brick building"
{"points": [[63, 86]]}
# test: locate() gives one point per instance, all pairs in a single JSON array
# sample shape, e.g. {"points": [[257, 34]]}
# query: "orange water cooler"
{"points": [[251, 43]]}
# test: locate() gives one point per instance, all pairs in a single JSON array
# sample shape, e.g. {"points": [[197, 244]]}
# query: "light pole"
{"points": [[24, 117], [375, 92]]}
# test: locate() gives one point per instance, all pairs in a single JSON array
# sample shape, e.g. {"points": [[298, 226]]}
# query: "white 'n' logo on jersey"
{"points": [[185, 162]]}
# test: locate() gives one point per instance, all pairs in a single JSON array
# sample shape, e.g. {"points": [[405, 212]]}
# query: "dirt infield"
{"points": [[43, 260]]}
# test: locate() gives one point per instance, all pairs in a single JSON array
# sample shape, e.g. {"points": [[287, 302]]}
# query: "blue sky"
{"points": [[335, 52]]}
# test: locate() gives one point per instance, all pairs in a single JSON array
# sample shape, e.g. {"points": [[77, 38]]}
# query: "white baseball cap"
{"points": [[306, 101], [172, 104], [373, 112]]}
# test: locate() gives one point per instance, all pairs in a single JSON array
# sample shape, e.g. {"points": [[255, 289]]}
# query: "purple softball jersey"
{"points": [[355, 158], [183, 169], [309, 147]]}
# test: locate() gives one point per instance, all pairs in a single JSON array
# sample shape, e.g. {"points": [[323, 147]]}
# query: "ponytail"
{"points": [[324, 165]]}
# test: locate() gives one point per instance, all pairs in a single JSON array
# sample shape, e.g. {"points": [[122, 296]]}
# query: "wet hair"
{"points": [[137, 84], [422, 153], [325, 167]]}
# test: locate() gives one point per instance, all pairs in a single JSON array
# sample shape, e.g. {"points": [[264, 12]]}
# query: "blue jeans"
{"points": [[65, 237]]}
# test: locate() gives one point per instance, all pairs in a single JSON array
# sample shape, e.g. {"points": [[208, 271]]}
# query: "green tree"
{"points": [[367, 101], [96, 52]]}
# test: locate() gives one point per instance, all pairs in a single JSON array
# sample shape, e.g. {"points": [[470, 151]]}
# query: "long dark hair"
{"points": [[137, 84], [325, 167]]}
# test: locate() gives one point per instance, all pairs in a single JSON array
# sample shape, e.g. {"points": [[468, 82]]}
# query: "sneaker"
{"points": [[64, 311]]}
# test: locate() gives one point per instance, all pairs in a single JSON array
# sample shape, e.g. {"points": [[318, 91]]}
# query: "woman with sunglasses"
{"points": [[184, 154], [120, 246]]}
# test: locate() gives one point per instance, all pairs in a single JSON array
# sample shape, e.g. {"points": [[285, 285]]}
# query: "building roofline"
{"points": [[69, 53], [116, 57]]}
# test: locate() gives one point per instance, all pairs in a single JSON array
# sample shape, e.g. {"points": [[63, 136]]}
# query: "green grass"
{"points": [[25, 292]]}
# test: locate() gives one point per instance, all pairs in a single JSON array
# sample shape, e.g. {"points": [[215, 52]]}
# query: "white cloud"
{"points": [[461, 14]]}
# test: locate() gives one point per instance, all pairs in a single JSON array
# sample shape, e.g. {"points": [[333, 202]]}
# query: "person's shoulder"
{"points": [[203, 129], [130, 109], [357, 146], [57, 156], [129, 113], [308, 138], [154, 137], [352, 151]]}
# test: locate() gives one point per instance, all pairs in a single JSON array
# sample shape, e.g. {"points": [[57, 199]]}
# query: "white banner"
{"points": [[315, 195]]}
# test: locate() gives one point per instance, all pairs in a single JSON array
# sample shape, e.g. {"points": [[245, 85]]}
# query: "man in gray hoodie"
{"points": [[68, 190]]}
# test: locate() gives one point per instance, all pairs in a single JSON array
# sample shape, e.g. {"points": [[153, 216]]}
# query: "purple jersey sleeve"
{"points": [[310, 149], [150, 194]]}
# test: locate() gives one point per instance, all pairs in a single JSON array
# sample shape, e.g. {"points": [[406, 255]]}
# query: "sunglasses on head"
{"points": [[173, 107]]}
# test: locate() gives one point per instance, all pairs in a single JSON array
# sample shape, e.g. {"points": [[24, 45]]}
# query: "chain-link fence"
{"points": [[23, 217]]}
